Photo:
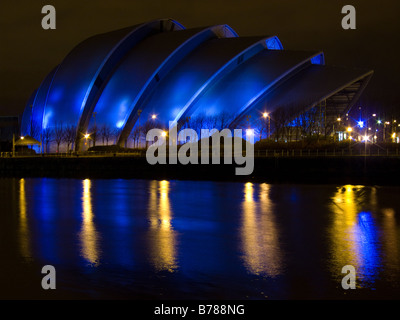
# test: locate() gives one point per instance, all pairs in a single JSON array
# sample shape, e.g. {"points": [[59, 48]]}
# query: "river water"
{"points": [[139, 239]]}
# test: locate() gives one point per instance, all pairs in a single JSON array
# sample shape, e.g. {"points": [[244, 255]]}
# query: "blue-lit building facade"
{"points": [[160, 71]]}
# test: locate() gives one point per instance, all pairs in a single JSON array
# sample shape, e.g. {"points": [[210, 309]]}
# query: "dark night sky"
{"points": [[28, 53]]}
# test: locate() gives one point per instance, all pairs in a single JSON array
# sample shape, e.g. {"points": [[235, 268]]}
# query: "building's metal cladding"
{"points": [[34, 109], [307, 89], [235, 92], [192, 74], [119, 80], [140, 71]]}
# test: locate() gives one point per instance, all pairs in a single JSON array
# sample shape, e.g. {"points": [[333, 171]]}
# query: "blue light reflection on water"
{"points": [[45, 213], [367, 247], [354, 233]]}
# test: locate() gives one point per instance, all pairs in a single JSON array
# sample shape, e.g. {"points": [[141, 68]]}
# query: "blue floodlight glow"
{"points": [[207, 77], [319, 59], [274, 44]]}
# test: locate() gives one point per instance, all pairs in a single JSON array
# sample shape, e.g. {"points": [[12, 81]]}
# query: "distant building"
{"points": [[8, 127], [157, 72]]}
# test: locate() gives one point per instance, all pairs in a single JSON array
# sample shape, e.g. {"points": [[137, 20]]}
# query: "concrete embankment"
{"points": [[378, 170]]}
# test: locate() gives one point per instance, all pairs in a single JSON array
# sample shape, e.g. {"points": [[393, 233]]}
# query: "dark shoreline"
{"points": [[371, 170]]}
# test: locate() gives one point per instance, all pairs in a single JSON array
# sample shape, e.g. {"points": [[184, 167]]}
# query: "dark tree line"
{"points": [[286, 122]]}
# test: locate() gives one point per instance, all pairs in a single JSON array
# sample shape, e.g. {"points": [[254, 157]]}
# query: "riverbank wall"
{"points": [[375, 170]]}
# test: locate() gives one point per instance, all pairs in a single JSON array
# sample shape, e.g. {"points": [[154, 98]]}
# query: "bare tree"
{"points": [[58, 132], [197, 123], [94, 133], [69, 136], [147, 126], [280, 117], [135, 135], [34, 130], [105, 133], [115, 134], [261, 126], [47, 136], [223, 119]]}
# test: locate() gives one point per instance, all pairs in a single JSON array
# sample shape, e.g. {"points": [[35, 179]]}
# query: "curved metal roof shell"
{"points": [[120, 79]]}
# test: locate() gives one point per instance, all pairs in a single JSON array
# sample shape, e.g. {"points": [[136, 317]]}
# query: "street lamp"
{"points": [[154, 116], [86, 136], [249, 132], [349, 130], [265, 116]]}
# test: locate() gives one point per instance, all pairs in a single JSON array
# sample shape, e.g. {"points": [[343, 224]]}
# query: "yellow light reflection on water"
{"points": [[89, 236], [260, 241], [343, 239], [391, 240], [23, 222], [163, 236]]}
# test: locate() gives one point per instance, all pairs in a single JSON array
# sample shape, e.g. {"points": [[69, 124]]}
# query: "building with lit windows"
{"points": [[160, 71]]}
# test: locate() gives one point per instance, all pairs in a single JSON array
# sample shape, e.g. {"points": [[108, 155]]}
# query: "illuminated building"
{"points": [[122, 78]]}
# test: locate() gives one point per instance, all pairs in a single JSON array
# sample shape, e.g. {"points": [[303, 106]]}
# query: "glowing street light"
{"points": [[22, 138], [379, 121], [249, 132], [86, 136], [361, 124], [349, 129], [154, 116], [164, 133], [265, 116]]}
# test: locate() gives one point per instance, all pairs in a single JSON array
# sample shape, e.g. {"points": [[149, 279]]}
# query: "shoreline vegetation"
{"points": [[346, 162]]}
